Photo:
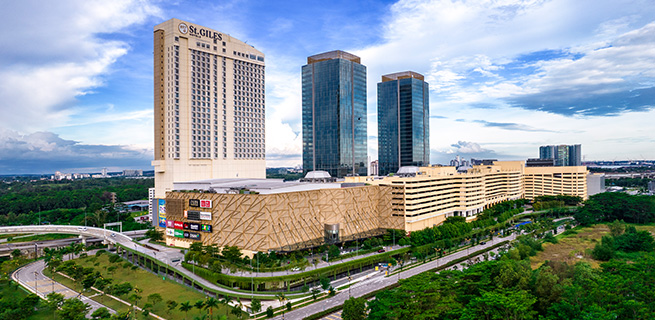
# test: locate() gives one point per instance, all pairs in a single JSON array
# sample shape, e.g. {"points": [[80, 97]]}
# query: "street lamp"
{"points": [[35, 287]]}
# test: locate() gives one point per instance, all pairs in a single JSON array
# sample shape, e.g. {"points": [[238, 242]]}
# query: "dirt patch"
{"points": [[572, 248]]}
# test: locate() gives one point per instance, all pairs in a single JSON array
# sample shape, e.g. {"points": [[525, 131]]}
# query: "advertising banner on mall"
{"points": [[170, 232], [194, 236], [186, 226], [192, 215], [206, 228], [205, 215], [178, 225], [194, 226], [161, 212], [179, 234], [170, 224]]}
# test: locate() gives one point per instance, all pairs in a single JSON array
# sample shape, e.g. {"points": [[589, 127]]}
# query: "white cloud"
{"points": [[56, 52]]}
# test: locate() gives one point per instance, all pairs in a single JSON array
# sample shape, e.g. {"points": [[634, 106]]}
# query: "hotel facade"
{"points": [[209, 106], [272, 215]]}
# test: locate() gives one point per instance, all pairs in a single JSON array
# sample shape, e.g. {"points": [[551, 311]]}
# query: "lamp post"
{"points": [[35, 287]]}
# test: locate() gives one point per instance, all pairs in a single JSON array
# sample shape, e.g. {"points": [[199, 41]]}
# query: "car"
{"points": [[81, 228], [295, 269], [482, 242], [381, 250], [113, 235]]}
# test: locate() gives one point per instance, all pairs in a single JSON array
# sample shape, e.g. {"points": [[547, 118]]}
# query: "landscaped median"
{"points": [[294, 282]]}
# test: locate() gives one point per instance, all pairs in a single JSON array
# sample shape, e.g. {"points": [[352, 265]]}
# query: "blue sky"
{"points": [[505, 76]]}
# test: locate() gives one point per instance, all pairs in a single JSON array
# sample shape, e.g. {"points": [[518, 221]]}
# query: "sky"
{"points": [[506, 76]]}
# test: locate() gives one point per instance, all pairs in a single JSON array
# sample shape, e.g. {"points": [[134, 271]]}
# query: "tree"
{"points": [[74, 309], [170, 305], [155, 298], [333, 251], [269, 312], [185, 307], [232, 254], [289, 306], [54, 301], [354, 309], [325, 283], [256, 305], [155, 235], [616, 228], [210, 304], [199, 305], [226, 302], [315, 293], [280, 297], [101, 313], [16, 253]]}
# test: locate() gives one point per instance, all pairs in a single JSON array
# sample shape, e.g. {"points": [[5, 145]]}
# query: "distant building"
{"points": [[651, 187], [540, 163], [403, 122], [564, 155], [334, 114], [132, 173], [595, 183], [374, 168]]}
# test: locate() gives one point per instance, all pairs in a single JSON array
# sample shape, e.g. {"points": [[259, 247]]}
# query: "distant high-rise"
{"points": [[209, 106], [403, 121], [334, 114], [564, 155]]}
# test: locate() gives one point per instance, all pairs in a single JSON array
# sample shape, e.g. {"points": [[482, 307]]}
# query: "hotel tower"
{"points": [[209, 106]]}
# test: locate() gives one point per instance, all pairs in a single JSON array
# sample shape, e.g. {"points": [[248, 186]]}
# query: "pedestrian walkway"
{"points": [[334, 316]]}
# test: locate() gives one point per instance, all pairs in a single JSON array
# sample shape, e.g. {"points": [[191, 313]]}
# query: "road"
{"points": [[379, 281], [31, 277]]}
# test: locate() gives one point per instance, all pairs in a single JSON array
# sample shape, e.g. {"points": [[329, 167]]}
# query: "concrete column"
{"points": [[83, 239]]}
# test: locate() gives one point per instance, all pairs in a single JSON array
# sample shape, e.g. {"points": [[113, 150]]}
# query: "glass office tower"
{"points": [[334, 114], [564, 155], [403, 122]]}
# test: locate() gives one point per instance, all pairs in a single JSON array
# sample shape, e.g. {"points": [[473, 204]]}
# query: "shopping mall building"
{"points": [[272, 215]]}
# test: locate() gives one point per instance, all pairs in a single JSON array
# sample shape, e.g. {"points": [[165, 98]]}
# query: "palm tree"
{"points": [[199, 305], [185, 307], [226, 301], [280, 297], [210, 304]]}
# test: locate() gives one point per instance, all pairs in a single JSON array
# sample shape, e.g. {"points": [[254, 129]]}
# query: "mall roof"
{"points": [[262, 186]]}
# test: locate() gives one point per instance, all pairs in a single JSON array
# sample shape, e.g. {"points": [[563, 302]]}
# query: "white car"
{"points": [[113, 235], [81, 228]]}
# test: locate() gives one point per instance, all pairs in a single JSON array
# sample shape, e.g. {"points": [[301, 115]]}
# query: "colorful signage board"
{"points": [[194, 203], [192, 215], [179, 234], [194, 236], [170, 232], [205, 203], [205, 215], [161, 212], [194, 226], [186, 226], [178, 224], [206, 228], [170, 224]]}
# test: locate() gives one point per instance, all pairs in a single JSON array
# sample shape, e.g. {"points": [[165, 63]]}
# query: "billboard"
{"points": [[194, 226], [179, 234], [170, 224], [206, 228], [186, 226], [192, 215], [194, 236], [170, 232], [200, 203], [186, 234], [205, 203], [161, 212], [205, 215], [178, 224]]}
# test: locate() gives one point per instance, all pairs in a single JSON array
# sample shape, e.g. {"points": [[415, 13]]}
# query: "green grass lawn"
{"points": [[148, 283], [42, 237]]}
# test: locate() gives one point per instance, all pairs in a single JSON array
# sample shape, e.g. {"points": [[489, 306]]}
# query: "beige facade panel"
{"points": [[287, 221]]}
